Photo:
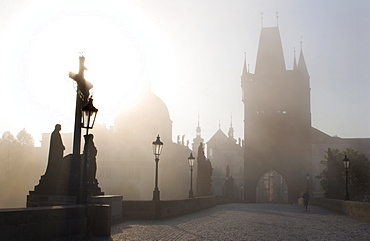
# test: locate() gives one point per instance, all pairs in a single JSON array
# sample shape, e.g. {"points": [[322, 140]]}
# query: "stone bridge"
{"points": [[240, 221]]}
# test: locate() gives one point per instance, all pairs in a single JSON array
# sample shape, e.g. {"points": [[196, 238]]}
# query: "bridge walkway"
{"points": [[239, 221]]}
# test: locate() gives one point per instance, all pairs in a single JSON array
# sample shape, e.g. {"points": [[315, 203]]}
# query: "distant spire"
{"points": [[219, 124], [277, 18], [294, 61], [198, 139], [231, 129], [231, 120], [261, 20], [301, 42], [198, 130], [245, 70]]}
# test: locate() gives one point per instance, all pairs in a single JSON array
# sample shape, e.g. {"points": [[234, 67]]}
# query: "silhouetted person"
{"points": [[56, 150], [306, 198], [91, 159]]}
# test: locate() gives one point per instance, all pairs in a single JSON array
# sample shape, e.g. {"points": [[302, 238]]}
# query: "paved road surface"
{"points": [[247, 222]]}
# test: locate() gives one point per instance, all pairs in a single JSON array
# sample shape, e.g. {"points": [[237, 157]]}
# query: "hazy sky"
{"points": [[191, 51]]}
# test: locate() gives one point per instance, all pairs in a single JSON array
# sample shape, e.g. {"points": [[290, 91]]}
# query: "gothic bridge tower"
{"points": [[277, 124]]}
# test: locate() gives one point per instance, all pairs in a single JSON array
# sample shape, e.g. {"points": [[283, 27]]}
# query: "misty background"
{"points": [[192, 53]]}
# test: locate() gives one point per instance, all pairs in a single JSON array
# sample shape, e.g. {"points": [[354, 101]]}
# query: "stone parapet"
{"points": [[169, 208], [353, 209], [72, 222]]}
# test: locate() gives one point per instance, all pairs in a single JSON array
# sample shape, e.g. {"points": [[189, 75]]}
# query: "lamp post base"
{"points": [[191, 194], [156, 195]]}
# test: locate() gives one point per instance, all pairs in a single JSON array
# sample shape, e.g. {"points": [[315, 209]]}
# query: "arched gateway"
{"points": [[272, 188], [277, 119]]}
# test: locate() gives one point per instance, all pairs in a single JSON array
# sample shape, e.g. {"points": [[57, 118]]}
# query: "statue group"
{"points": [[62, 175]]}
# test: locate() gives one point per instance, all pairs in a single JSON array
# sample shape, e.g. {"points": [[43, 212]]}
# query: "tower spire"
{"points": [[198, 139], [245, 69], [231, 120], [198, 130], [294, 61], [277, 18], [302, 67], [301, 42], [231, 129]]}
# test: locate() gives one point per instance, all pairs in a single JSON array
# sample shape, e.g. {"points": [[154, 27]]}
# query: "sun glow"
{"points": [[116, 61]]}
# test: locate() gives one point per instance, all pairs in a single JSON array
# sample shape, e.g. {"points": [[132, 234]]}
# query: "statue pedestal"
{"points": [[61, 186], [115, 201], [49, 200]]}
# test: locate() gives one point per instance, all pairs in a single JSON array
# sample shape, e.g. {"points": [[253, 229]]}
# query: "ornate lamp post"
{"points": [[89, 114], [157, 149], [191, 164], [346, 166], [308, 180]]}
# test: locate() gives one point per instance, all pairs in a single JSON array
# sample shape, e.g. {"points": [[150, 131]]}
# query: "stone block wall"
{"points": [[358, 210]]}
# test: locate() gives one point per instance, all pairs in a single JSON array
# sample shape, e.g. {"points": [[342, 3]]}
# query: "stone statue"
{"points": [[227, 171], [91, 159], [56, 150], [204, 174]]}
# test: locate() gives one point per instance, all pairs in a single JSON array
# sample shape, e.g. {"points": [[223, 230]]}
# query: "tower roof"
{"points": [[270, 57]]}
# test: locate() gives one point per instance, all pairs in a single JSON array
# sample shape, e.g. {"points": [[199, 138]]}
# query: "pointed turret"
{"points": [[302, 64], [294, 61], [198, 130], [245, 70], [198, 138], [231, 130]]}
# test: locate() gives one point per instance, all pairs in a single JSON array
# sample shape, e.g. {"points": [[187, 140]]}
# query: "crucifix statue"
{"points": [[83, 94]]}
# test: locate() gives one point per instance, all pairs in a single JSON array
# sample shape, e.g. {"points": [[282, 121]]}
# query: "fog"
{"points": [[192, 55]]}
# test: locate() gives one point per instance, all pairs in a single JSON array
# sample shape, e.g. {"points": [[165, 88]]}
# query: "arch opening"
{"points": [[272, 188]]}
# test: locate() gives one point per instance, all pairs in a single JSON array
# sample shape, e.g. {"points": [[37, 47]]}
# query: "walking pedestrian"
{"points": [[306, 198]]}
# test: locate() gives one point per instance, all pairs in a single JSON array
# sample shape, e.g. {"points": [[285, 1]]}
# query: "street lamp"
{"points": [[191, 164], [89, 114], [157, 149], [308, 179], [346, 166]]}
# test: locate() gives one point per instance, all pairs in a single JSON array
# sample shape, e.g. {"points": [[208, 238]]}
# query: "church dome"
{"points": [[147, 116]]}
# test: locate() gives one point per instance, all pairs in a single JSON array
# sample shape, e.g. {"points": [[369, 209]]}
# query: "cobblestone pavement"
{"points": [[247, 222]]}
